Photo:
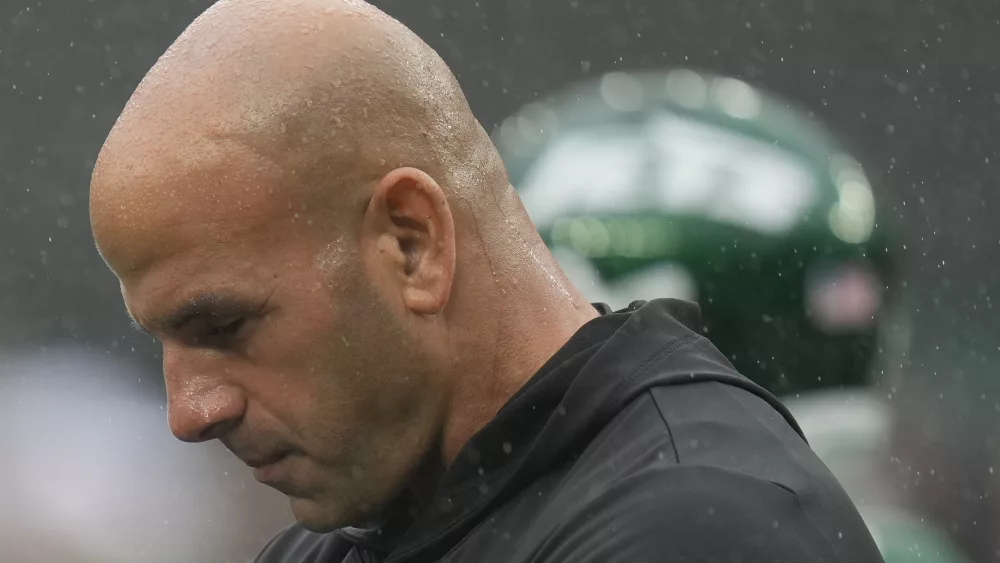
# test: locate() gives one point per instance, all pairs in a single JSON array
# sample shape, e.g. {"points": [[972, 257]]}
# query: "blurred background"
{"points": [[820, 176]]}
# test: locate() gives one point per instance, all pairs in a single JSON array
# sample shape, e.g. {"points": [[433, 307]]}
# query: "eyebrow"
{"points": [[203, 305]]}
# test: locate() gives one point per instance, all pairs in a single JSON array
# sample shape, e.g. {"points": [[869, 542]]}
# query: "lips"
{"points": [[264, 461], [268, 469]]}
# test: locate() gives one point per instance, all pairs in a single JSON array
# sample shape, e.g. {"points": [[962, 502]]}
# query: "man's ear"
{"points": [[409, 239]]}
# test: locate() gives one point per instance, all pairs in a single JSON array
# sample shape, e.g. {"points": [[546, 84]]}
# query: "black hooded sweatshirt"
{"points": [[637, 442]]}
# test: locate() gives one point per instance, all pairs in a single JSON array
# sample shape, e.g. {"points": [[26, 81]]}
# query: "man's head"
{"points": [[300, 205]]}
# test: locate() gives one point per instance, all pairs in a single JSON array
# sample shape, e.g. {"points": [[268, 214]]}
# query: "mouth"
{"points": [[266, 469]]}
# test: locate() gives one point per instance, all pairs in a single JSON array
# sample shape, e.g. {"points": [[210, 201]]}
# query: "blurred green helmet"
{"points": [[906, 538], [700, 187]]}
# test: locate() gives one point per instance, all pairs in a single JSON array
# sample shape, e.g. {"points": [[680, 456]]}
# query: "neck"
{"points": [[533, 311]]}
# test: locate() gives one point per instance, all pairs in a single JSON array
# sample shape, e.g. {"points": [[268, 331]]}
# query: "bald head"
{"points": [[333, 92], [300, 205]]}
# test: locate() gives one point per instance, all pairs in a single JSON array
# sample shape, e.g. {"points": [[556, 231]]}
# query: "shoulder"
{"points": [[701, 513], [295, 544], [706, 424], [705, 470], [717, 424]]}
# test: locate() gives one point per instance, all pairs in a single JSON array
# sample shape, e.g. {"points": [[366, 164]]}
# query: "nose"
{"points": [[202, 403]]}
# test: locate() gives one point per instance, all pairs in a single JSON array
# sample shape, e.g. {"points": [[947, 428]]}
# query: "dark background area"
{"points": [[911, 86]]}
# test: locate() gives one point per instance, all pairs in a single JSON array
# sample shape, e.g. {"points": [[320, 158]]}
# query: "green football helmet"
{"points": [[701, 187]]}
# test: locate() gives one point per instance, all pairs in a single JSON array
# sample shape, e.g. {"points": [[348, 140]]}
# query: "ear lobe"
{"points": [[412, 221]]}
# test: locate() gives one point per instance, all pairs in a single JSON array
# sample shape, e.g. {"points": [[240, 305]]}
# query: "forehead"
{"points": [[150, 204], [188, 225]]}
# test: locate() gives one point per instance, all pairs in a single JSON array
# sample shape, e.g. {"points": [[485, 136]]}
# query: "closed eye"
{"points": [[227, 329]]}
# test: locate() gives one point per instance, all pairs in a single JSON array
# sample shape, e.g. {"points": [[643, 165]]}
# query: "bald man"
{"points": [[300, 205]]}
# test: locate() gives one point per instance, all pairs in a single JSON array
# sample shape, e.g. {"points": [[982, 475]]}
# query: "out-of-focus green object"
{"points": [[904, 538], [681, 184], [702, 187], [849, 430]]}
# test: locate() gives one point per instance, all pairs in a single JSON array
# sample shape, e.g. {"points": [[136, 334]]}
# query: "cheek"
{"points": [[330, 374], [348, 370]]}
